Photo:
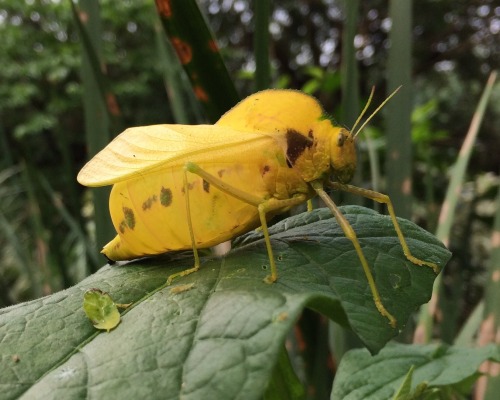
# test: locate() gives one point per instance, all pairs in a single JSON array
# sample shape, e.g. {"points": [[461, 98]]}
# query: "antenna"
{"points": [[364, 109], [373, 113]]}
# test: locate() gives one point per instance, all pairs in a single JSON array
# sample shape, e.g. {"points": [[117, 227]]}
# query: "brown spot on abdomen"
{"points": [[122, 226], [206, 186], [148, 203], [165, 196], [129, 219]]}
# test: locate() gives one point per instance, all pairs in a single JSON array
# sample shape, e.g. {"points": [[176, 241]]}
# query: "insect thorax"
{"points": [[308, 154]]}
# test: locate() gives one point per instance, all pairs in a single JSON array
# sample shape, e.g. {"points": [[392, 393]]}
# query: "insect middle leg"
{"points": [[191, 236], [264, 207]]}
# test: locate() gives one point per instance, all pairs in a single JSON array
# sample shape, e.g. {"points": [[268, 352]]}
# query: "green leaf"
{"points": [[403, 392], [436, 368], [216, 333], [197, 50], [284, 383], [100, 309]]}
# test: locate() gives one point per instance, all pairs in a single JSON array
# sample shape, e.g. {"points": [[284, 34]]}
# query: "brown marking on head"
{"points": [[296, 144], [221, 172], [165, 196]]}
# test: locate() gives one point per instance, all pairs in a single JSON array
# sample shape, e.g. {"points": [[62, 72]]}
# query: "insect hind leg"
{"points": [[351, 235], [384, 199], [191, 235]]}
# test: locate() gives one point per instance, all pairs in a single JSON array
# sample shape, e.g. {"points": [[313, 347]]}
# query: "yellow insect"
{"points": [[178, 187]]}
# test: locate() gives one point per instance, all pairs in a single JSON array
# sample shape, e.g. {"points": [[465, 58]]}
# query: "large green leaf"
{"points": [[219, 337], [435, 369]]}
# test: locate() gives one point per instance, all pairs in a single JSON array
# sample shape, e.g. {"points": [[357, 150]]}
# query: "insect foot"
{"points": [[182, 273], [270, 279], [383, 311], [419, 262]]}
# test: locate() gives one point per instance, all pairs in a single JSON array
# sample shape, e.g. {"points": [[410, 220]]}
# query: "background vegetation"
{"points": [[335, 50]]}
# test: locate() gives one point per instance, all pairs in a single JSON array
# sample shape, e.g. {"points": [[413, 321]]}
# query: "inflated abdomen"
{"points": [[150, 217]]}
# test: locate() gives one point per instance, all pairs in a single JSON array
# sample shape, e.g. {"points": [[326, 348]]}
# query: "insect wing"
{"points": [[270, 113], [142, 149]]}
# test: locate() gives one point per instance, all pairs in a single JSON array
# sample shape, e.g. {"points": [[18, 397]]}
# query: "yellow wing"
{"points": [[138, 150], [141, 149]]}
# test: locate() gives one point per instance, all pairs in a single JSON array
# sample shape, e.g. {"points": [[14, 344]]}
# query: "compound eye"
{"points": [[341, 138]]}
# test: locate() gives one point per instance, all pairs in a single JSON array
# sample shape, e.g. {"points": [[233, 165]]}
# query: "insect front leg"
{"points": [[384, 199], [263, 206], [350, 234]]}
